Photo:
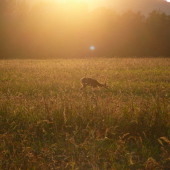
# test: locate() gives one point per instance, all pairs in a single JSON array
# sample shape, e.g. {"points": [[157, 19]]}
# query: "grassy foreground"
{"points": [[47, 122]]}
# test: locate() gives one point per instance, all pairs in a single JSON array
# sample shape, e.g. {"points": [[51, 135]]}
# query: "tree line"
{"points": [[51, 30]]}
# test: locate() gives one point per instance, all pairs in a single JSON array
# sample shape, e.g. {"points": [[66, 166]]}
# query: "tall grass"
{"points": [[47, 122]]}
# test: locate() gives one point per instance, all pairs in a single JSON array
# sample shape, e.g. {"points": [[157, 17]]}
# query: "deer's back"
{"points": [[89, 81]]}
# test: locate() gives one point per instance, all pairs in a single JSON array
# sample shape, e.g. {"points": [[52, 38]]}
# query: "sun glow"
{"points": [[72, 1], [91, 3]]}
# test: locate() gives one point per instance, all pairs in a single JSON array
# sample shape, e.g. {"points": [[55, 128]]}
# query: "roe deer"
{"points": [[91, 82]]}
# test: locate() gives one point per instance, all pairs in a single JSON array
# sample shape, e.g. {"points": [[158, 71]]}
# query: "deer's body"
{"points": [[91, 82]]}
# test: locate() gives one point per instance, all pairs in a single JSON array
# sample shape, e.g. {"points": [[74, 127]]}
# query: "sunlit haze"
{"points": [[145, 6], [74, 28]]}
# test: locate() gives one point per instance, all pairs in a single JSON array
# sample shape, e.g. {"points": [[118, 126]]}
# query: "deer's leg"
{"points": [[83, 86]]}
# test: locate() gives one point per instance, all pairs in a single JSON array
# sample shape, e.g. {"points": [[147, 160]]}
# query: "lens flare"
{"points": [[92, 47]]}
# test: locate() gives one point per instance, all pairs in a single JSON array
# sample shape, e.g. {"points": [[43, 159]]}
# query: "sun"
{"points": [[90, 3]]}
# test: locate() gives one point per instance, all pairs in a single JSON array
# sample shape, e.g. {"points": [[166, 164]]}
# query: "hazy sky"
{"points": [[138, 5], [145, 6]]}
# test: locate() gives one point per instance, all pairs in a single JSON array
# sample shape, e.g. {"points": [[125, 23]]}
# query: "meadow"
{"points": [[47, 122]]}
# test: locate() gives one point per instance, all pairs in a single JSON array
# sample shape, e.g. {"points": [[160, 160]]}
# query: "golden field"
{"points": [[47, 122]]}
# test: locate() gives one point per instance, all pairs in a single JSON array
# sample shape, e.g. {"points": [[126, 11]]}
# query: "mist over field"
{"points": [[68, 30]]}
